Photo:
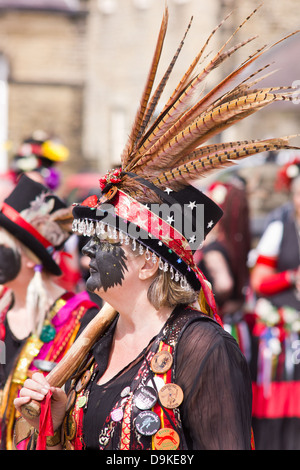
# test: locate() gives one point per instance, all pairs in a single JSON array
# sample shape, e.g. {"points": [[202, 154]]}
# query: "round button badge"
{"points": [[166, 439], [125, 392], [161, 362], [117, 414], [145, 398], [147, 423], [82, 401], [170, 395]]}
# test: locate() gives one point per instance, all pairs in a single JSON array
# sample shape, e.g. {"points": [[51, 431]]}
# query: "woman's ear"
{"points": [[148, 268], [30, 264], [28, 261]]}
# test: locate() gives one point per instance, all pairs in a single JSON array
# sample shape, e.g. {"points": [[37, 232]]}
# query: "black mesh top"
{"points": [[214, 377]]}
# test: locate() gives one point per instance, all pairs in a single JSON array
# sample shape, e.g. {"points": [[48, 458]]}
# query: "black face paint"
{"points": [[107, 264], [10, 264]]}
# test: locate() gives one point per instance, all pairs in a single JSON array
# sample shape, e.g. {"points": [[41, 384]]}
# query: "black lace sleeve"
{"points": [[213, 373]]}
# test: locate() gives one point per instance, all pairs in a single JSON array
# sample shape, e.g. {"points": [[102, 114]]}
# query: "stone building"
{"points": [[41, 46], [76, 68]]}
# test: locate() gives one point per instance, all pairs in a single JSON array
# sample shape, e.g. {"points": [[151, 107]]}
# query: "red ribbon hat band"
{"points": [[161, 237], [15, 217], [31, 214]]}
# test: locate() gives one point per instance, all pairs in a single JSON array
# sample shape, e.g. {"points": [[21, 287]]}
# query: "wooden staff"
{"points": [[74, 356]]}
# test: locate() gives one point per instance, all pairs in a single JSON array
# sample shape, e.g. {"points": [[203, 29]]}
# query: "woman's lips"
{"points": [[92, 269]]}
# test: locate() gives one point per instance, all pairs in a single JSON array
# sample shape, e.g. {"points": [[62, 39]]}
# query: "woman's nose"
{"points": [[89, 249]]}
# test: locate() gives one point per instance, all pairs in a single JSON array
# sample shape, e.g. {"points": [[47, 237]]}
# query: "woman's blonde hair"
{"points": [[37, 302], [166, 292]]}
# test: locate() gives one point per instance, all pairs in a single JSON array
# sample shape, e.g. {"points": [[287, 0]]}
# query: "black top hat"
{"points": [[29, 214], [190, 212], [48, 152]]}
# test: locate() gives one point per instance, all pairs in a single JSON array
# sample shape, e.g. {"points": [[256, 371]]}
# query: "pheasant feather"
{"points": [[209, 124], [176, 118], [226, 154], [174, 148], [152, 105], [147, 91], [172, 113]]}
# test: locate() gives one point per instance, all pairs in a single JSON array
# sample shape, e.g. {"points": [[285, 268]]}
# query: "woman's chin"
{"points": [[93, 285]]}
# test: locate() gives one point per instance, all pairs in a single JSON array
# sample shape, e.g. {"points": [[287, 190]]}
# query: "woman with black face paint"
{"points": [[10, 264], [140, 386], [164, 375], [38, 318], [107, 266]]}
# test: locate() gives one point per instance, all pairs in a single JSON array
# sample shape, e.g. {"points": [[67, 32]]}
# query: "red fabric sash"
{"points": [[167, 420], [46, 424]]}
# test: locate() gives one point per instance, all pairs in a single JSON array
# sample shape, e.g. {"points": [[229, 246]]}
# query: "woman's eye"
{"points": [[106, 245], [106, 241]]}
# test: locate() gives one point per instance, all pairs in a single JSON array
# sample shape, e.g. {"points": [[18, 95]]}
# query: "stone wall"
{"points": [[81, 75], [45, 54]]}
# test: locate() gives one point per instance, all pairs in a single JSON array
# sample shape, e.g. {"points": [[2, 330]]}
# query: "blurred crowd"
{"points": [[255, 279]]}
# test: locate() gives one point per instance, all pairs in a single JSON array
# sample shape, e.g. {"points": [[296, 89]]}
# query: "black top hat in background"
{"points": [[39, 150], [40, 153], [31, 214]]}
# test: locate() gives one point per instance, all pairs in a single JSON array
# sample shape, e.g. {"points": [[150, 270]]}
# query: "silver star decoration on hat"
{"points": [[192, 205], [168, 190], [210, 224], [192, 239], [170, 219]]}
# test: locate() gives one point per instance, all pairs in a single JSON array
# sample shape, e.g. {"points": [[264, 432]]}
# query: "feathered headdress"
{"points": [[163, 155]]}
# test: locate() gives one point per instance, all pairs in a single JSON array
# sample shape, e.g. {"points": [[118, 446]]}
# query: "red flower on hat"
{"points": [[113, 176], [90, 201]]}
